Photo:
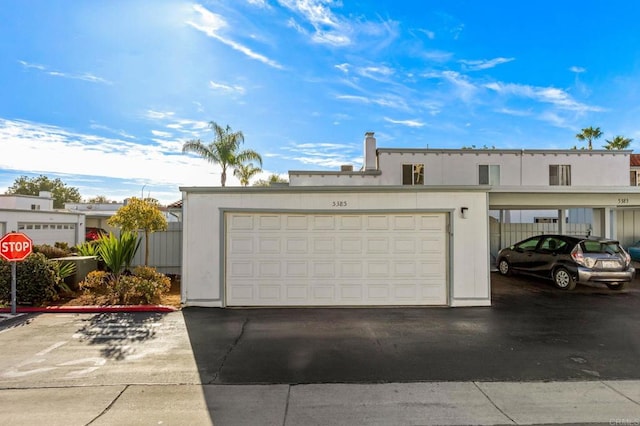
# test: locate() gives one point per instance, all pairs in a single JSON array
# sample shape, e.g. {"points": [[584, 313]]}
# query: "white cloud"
{"points": [[227, 88], [375, 72], [577, 70], [464, 88], [121, 133], [158, 115], [430, 34], [259, 3], [483, 64], [33, 145], [387, 100], [343, 67], [91, 78], [328, 27], [211, 24], [161, 134], [551, 95], [328, 155], [514, 112], [439, 56], [408, 123]]}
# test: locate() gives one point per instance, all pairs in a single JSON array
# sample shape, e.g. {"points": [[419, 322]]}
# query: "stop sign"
{"points": [[15, 246]]}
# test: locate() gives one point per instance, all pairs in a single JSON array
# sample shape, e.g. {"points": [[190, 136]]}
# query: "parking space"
{"points": [[533, 331], [506, 286]]}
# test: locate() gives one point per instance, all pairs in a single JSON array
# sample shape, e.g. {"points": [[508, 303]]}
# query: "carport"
{"points": [[613, 213]]}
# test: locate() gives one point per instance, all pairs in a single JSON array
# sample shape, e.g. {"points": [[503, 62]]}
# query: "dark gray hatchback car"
{"points": [[568, 260]]}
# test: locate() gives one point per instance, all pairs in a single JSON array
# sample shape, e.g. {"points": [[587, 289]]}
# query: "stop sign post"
{"points": [[15, 247]]}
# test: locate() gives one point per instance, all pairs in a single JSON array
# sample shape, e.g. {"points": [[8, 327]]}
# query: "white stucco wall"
{"points": [[517, 168], [202, 278], [24, 202], [11, 218]]}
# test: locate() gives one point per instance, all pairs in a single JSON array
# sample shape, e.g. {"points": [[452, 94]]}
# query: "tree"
{"points": [[223, 150], [589, 134], [99, 199], [245, 172], [273, 178], [140, 215], [60, 192], [619, 142]]}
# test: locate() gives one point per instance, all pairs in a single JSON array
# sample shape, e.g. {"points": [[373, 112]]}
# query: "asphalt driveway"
{"points": [[533, 332]]}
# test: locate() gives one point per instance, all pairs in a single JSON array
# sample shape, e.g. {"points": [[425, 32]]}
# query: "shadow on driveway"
{"points": [[533, 332]]}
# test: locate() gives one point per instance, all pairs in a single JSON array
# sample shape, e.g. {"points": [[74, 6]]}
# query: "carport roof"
{"points": [[544, 197]]}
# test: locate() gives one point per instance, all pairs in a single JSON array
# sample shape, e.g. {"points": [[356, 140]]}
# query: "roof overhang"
{"points": [[543, 198]]}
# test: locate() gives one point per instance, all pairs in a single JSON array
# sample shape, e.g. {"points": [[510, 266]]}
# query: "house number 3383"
{"points": [[623, 201], [341, 203]]}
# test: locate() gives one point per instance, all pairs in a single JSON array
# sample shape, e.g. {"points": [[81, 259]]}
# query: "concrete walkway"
{"points": [[449, 403]]}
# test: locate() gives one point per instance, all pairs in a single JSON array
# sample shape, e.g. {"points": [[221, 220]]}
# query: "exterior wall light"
{"points": [[463, 212]]}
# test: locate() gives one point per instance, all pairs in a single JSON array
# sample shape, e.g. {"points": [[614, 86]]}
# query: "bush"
{"points": [[51, 252], [143, 285], [36, 281], [62, 245]]}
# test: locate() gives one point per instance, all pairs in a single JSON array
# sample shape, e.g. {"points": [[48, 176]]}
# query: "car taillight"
{"points": [[578, 256], [627, 258]]}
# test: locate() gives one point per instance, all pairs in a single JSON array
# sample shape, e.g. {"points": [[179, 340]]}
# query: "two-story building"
{"points": [[410, 227]]}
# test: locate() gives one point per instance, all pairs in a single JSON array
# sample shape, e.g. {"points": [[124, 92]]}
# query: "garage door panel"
{"points": [[324, 260]]}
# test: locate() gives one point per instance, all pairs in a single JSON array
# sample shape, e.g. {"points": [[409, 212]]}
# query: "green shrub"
{"points": [[143, 285], [62, 245], [151, 284], [36, 280], [118, 252], [51, 252], [63, 269], [87, 248]]}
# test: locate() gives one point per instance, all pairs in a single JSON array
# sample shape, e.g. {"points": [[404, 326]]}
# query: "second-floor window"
{"points": [[560, 174], [489, 174], [413, 174]]}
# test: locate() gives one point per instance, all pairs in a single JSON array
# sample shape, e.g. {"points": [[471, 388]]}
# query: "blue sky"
{"points": [[103, 94]]}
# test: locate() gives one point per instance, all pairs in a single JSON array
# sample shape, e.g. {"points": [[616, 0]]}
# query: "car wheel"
{"points": [[504, 268], [616, 286], [563, 279]]}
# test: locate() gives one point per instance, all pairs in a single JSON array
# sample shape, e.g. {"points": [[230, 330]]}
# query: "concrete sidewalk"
{"points": [[442, 403]]}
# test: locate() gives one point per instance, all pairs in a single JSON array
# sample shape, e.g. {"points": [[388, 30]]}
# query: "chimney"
{"points": [[369, 152]]}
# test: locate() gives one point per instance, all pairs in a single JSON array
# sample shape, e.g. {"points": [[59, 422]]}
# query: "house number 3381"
{"points": [[341, 203]]}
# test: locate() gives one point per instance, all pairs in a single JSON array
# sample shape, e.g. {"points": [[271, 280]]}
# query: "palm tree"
{"points": [[619, 142], [589, 134], [224, 149], [245, 172]]}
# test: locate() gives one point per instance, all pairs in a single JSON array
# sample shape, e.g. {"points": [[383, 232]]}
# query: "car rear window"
{"points": [[600, 247]]}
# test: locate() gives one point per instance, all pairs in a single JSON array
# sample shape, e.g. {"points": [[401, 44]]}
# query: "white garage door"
{"points": [[50, 233], [278, 259]]}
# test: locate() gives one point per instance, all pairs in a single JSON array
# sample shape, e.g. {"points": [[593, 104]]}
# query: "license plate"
{"points": [[609, 264]]}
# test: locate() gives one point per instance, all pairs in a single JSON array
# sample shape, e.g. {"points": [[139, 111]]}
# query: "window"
{"points": [[489, 174], [529, 245], [552, 244], [35, 206], [413, 174], [633, 178], [559, 174]]}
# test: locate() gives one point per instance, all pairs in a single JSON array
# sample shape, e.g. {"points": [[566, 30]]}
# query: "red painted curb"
{"points": [[91, 309]]}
